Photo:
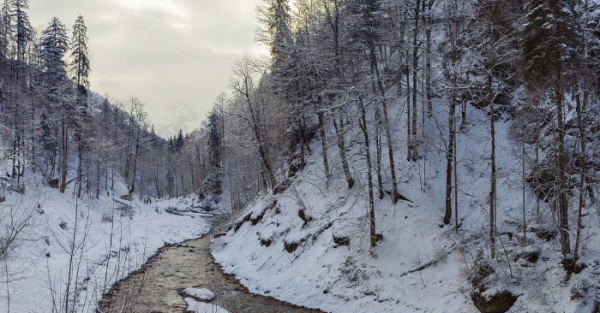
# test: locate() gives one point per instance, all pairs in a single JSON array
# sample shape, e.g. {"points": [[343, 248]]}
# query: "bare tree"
{"points": [[242, 83], [138, 126]]}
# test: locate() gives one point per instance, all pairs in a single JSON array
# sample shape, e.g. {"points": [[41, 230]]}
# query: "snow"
{"points": [[200, 294], [112, 237], [201, 307], [420, 265]]}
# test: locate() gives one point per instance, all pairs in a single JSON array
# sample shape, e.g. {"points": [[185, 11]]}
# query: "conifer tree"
{"points": [[550, 43], [53, 47], [21, 29], [79, 71], [80, 66], [5, 31], [367, 27], [215, 138]]}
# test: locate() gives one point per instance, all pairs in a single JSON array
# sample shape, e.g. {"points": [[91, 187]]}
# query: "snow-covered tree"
{"points": [[53, 47], [21, 28], [550, 43], [80, 65]]}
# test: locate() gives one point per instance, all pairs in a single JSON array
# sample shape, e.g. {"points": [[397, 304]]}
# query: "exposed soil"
{"points": [[156, 286]]}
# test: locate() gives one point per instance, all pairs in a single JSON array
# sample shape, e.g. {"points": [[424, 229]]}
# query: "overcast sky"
{"points": [[175, 55]]}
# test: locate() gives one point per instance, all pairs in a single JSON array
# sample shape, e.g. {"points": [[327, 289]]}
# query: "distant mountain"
{"points": [[184, 117]]}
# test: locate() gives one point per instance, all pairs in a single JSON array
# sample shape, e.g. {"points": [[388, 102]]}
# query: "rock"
{"points": [[531, 255], [341, 241], [202, 294], [496, 303], [543, 233], [54, 182], [127, 197]]}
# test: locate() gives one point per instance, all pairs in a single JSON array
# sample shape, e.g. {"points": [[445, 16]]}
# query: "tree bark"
{"points": [[79, 168], [262, 151], [563, 204], [449, 157], [363, 126], [582, 169], [428, 88], [414, 155], [63, 156], [386, 123], [492, 196], [339, 131], [324, 144], [378, 153]]}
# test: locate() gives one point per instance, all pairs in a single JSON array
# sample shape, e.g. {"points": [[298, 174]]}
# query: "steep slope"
{"points": [[309, 245]]}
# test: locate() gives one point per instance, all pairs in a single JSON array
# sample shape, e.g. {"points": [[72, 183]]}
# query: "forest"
{"points": [[349, 64], [343, 80]]}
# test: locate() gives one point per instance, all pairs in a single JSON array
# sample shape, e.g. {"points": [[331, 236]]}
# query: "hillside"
{"points": [[86, 244], [310, 244], [385, 156]]}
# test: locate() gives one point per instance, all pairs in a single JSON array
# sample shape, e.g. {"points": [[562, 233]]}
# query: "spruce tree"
{"points": [[21, 28], [550, 43], [53, 47], [5, 31], [215, 138], [80, 66], [79, 71]]}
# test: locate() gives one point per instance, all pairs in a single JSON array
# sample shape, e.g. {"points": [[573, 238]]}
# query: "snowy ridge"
{"points": [[304, 258]]}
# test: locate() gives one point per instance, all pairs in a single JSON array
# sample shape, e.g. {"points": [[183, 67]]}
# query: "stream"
{"points": [[155, 287]]}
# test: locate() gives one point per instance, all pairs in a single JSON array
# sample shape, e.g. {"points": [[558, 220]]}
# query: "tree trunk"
{"points": [[537, 165], [428, 88], [449, 157], [463, 114], [301, 141], [378, 153], [409, 139], [492, 196], [339, 131], [79, 168], [135, 161], [363, 126], [414, 156], [386, 123], [455, 169], [262, 151], [582, 178], [98, 174], [523, 178], [63, 157], [563, 203], [324, 144]]}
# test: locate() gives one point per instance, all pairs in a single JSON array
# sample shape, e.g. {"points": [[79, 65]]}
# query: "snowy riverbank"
{"points": [[94, 241]]}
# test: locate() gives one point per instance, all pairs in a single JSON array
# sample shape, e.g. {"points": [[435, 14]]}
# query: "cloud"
{"points": [[160, 5], [165, 52]]}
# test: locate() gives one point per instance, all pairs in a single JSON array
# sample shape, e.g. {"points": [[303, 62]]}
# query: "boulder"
{"points": [[496, 303], [199, 294], [53, 182]]}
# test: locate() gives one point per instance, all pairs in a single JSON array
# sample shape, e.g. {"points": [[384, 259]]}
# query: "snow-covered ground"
{"points": [[112, 237], [421, 265], [202, 307], [200, 294], [197, 300]]}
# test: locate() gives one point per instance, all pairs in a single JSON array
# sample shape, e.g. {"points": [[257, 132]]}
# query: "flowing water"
{"points": [[155, 287]]}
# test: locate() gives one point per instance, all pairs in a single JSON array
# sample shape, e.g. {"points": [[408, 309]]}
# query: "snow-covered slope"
{"points": [[421, 265], [111, 237]]}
